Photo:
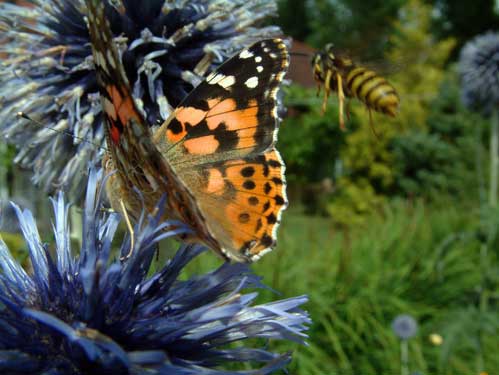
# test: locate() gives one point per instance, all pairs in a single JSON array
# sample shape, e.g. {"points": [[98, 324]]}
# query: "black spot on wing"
{"points": [[197, 130], [253, 201], [271, 218], [227, 139], [244, 218], [266, 206], [279, 200], [274, 163], [267, 188], [175, 126], [247, 171], [267, 241], [258, 225], [249, 185]]}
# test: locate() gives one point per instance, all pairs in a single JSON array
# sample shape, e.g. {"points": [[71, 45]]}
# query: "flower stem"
{"points": [[404, 357], [494, 157]]}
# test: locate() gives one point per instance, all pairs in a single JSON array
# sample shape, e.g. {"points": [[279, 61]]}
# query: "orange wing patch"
{"points": [[241, 123], [216, 183], [234, 119], [253, 193], [202, 145], [124, 106], [119, 109]]}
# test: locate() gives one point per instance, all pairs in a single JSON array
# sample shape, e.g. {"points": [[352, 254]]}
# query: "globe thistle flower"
{"points": [[404, 326], [479, 69], [90, 313], [166, 47]]}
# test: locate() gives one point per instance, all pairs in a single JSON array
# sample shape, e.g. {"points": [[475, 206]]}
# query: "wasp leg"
{"points": [[318, 88], [130, 230], [348, 101], [341, 98], [371, 123], [327, 90]]}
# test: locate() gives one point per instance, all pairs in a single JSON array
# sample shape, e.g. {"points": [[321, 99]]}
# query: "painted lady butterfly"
{"points": [[215, 156]]}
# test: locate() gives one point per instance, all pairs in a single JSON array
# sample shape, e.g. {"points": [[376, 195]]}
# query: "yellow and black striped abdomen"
{"points": [[373, 90]]}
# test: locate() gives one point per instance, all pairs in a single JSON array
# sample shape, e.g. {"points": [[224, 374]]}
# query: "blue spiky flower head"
{"points": [[90, 313], [167, 46], [479, 69], [404, 326]]}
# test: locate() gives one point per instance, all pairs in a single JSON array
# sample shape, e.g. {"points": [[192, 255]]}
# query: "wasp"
{"points": [[339, 73]]}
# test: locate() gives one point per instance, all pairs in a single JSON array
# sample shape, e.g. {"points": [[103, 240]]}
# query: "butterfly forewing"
{"points": [[233, 112]]}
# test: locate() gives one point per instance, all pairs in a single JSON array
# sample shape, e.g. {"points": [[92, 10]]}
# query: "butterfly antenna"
{"points": [[68, 133]]}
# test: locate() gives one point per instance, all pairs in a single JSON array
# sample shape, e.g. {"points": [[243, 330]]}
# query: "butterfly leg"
{"points": [[341, 98], [130, 230]]}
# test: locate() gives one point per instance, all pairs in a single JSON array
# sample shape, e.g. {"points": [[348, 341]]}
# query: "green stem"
{"points": [[494, 157], [404, 357]]}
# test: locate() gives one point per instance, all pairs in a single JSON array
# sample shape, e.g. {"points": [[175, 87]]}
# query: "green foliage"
{"points": [[361, 26], [7, 154], [444, 158], [423, 61], [16, 244], [294, 18], [353, 201], [408, 258], [310, 143], [463, 20]]}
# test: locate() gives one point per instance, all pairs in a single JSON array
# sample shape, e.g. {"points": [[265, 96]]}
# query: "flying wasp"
{"points": [[339, 73]]}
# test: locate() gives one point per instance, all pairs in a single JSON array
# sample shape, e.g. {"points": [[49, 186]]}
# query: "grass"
{"points": [[412, 259]]}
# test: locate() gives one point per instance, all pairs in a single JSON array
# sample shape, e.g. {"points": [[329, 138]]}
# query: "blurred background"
{"points": [[392, 228]]}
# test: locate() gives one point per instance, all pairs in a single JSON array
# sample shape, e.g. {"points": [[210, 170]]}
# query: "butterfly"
{"points": [[214, 157]]}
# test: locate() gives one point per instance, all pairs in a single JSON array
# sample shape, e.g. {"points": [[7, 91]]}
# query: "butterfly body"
{"points": [[214, 157]]}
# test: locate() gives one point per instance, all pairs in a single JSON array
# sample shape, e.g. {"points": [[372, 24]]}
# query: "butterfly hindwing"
{"points": [[220, 141], [243, 198]]}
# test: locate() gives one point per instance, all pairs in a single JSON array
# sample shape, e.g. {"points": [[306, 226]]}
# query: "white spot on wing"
{"points": [[109, 108], [245, 54], [251, 82], [227, 82], [215, 79], [258, 59], [259, 68], [210, 77], [100, 61]]}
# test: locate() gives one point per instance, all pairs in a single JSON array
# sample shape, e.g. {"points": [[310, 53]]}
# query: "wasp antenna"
{"points": [[302, 54], [27, 117]]}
